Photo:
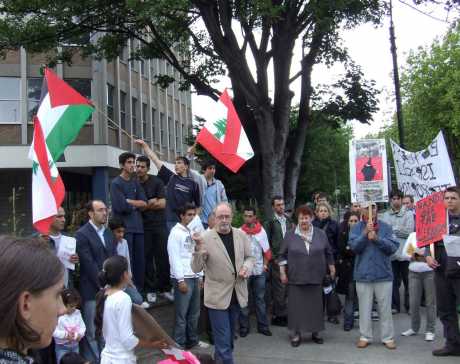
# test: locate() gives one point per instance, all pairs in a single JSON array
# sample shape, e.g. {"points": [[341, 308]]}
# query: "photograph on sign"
{"points": [[368, 170]]}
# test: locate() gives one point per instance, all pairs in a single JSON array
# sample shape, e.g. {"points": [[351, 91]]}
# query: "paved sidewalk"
{"points": [[339, 346]]}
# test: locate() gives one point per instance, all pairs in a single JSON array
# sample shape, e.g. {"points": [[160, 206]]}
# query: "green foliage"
{"points": [[325, 165], [431, 95]]}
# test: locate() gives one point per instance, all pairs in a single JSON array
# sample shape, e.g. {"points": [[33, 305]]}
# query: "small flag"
{"points": [[60, 116], [224, 136]]}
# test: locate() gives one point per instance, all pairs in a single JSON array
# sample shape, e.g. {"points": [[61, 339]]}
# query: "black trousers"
{"points": [[400, 275], [156, 260], [447, 299]]}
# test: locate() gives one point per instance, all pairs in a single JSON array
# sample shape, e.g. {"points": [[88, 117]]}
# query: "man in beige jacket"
{"points": [[224, 254]]}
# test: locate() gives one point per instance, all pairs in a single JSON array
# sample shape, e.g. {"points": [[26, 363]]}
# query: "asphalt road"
{"points": [[339, 346]]}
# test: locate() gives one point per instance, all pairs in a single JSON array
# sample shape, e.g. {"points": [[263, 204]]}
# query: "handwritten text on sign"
{"points": [[430, 219], [421, 173]]}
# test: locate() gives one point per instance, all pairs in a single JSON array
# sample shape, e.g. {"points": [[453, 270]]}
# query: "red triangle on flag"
{"points": [[61, 93]]}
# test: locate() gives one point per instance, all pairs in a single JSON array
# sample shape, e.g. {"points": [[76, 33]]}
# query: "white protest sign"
{"points": [[368, 170], [67, 248], [421, 173]]}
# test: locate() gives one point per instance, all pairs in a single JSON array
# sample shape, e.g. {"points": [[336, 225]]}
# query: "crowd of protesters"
{"points": [[170, 235]]}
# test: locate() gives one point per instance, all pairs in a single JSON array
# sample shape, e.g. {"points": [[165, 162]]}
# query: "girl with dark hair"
{"points": [[113, 315], [71, 327], [30, 299]]}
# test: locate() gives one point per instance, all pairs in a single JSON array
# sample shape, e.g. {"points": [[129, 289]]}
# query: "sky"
{"points": [[369, 47]]}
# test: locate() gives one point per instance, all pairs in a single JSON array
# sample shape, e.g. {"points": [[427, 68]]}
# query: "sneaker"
{"points": [[151, 297], [429, 336], [409, 332], [356, 315], [145, 305], [362, 344], [394, 311], [391, 345], [199, 345], [169, 295]]}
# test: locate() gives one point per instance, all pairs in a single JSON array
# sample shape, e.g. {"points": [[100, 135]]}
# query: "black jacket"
{"points": [[331, 228], [92, 254]]}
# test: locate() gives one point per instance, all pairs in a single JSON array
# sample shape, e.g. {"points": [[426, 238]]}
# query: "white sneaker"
{"points": [[409, 332], [145, 305], [429, 336], [169, 296], [151, 297], [202, 345]]}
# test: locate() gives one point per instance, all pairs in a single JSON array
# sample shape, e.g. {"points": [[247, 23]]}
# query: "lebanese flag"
{"points": [[61, 114], [224, 137], [48, 190]]}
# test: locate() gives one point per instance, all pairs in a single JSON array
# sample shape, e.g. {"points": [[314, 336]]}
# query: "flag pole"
{"points": [[117, 126]]}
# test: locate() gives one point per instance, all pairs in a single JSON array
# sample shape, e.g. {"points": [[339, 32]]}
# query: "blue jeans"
{"points": [[136, 255], [134, 294], [187, 313], [62, 349], [91, 346], [256, 290], [223, 323]]}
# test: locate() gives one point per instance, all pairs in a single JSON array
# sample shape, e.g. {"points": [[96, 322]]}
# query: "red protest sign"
{"points": [[430, 219]]}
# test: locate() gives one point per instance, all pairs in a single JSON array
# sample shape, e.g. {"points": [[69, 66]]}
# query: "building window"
{"points": [[144, 120], [184, 134], [177, 132], [162, 129], [170, 133], [34, 90], [10, 94], [123, 110], [142, 62], [134, 114], [154, 139], [110, 95], [82, 85]]}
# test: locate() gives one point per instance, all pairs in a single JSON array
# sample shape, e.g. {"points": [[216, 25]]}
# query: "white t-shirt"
{"points": [[411, 245], [123, 250], [117, 329]]}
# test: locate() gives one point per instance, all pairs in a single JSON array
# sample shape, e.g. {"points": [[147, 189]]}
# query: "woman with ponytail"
{"points": [[113, 315]]}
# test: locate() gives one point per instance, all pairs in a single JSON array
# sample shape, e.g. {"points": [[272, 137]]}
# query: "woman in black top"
{"points": [[345, 266], [324, 222], [30, 299]]}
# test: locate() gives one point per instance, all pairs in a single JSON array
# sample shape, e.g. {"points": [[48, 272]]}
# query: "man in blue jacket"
{"points": [[373, 243], [94, 245], [128, 201]]}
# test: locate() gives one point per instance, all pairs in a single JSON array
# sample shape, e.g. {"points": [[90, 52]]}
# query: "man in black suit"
{"points": [[95, 244]]}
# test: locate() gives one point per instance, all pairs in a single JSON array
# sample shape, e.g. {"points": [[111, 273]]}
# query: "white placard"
{"points": [[419, 174], [368, 170], [67, 248]]}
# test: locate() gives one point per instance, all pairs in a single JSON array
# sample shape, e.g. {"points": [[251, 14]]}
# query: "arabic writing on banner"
{"points": [[430, 217], [421, 173], [368, 170]]}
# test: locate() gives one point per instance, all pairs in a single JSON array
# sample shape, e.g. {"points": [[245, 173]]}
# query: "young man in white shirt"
{"points": [[256, 283], [187, 284]]}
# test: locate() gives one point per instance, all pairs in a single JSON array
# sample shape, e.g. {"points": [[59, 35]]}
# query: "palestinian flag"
{"points": [[224, 137], [60, 116]]}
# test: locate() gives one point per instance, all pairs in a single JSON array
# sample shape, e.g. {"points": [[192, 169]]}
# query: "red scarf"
{"points": [[257, 228]]}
